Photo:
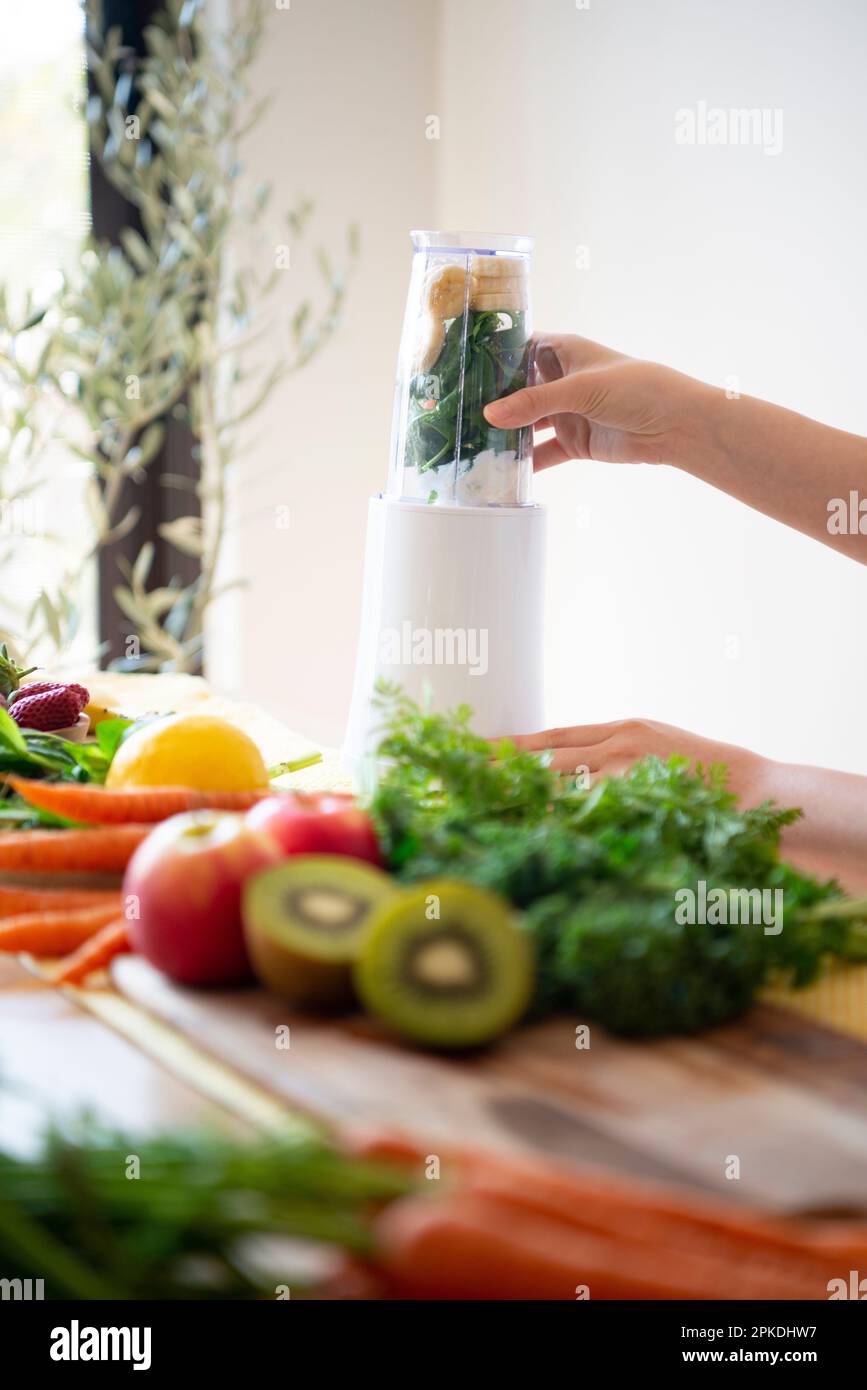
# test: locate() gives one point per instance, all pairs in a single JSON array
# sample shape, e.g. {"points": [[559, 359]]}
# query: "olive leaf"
{"points": [[185, 534]]}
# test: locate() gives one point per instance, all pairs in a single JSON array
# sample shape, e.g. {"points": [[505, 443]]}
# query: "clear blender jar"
{"points": [[465, 343]]}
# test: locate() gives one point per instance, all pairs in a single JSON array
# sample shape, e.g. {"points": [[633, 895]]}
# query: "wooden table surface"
{"points": [[787, 1096], [56, 1059]]}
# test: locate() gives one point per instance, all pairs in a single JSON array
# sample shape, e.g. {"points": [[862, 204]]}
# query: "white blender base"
{"points": [[452, 611]]}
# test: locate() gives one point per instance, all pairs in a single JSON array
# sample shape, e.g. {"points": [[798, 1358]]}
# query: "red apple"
{"points": [[325, 823], [182, 891]]}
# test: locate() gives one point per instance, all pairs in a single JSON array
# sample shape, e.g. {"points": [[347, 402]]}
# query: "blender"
{"points": [[454, 567]]}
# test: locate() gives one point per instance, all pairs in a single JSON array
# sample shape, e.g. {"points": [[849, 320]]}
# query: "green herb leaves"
{"points": [[597, 872], [451, 426], [71, 1212], [32, 754]]}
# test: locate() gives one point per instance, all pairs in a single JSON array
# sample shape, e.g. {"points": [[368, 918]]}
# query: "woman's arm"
{"points": [[787, 466], [831, 838], [603, 405]]}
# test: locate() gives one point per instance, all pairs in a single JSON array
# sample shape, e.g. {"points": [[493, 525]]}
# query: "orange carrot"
{"points": [[637, 1211], [465, 1246], [109, 806], [387, 1146], [94, 954], [14, 901], [455, 1247], [55, 933], [105, 849], [647, 1212], [749, 1243]]}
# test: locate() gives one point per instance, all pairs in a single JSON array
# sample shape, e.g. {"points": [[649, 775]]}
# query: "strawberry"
{"points": [[40, 687], [34, 688], [48, 707]]}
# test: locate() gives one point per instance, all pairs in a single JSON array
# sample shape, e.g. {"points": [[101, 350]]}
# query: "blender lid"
{"points": [[473, 241]]}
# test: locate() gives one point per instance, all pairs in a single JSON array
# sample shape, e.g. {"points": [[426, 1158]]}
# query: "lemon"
{"points": [[189, 750], [98, 714]]}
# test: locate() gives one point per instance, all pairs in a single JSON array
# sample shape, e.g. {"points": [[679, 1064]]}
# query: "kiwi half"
{"points": [[304, 921], [446, 964]]}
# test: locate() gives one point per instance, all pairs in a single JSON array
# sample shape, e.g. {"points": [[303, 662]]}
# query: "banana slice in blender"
{"points": [[501, 285], [445, 290], [497, 268], [431, 335], [508, 296]]}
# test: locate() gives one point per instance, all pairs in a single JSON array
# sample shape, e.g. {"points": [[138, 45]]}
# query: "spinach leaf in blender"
{"points": [[469, 344]]}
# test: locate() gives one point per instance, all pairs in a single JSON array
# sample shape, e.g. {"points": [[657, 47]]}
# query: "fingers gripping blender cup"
{"points": [[454, 570]]}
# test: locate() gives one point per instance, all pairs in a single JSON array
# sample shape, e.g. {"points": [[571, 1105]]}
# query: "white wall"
{"points": [[352, 85], [722, 261]]}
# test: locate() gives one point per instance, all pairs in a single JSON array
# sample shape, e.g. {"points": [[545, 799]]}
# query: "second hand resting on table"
{"points": [[592, 403]]}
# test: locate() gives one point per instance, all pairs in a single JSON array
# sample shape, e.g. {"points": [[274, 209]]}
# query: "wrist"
{"points": [[705, 417], [763, 779], [751, 775]]}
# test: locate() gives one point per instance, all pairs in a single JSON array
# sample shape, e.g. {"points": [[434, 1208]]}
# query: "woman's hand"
{"points": [[831, 838], [606, 750], [603, 405]]}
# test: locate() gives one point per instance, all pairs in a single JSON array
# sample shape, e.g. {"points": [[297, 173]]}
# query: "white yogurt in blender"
{"points": [[488, 480]]}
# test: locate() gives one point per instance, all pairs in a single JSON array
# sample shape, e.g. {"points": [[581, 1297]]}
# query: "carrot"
{"points": [[16, 900], [55, 933], [466, 1246], [749, 1243], [645, 1212], [638, 1211], [109, 806], [105, 849], [94, 954], [385, 1146]]}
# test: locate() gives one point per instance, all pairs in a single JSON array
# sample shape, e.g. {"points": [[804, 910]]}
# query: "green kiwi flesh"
{"points": [[446, 964], [304, 921]]}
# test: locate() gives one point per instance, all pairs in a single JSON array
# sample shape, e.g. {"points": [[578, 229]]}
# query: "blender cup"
{"points": [[465, 342]]}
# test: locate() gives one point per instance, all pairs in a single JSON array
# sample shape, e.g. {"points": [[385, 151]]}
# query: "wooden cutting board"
{"points": [[786, 1098]]}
